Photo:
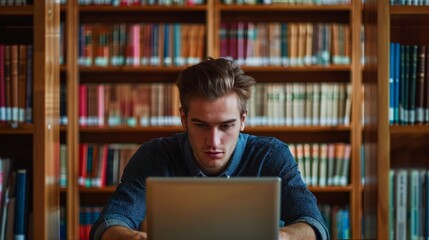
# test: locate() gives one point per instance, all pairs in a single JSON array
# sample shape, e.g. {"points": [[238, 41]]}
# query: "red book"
{"points": [[14, 83], [83, 150], [103, 168], [223, 36], [233, 40]]}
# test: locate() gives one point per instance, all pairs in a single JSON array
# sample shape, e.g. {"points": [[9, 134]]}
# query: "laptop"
{"points": [[192, 208]]}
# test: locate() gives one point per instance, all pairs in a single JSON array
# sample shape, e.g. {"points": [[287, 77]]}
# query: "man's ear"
{"points": [[183, 118], [243, 121]]}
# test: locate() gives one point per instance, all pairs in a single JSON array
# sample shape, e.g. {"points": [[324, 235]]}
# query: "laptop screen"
{"points": [[213, 208]]}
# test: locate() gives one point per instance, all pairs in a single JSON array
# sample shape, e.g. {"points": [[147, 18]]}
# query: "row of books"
{"points": [[300, 104], [323, 164], [157, 104], [142, 2], [409, 2], [15, 2], [141, 44], [16, 84], [288, 2], [409, 84], [286, 44], [13, 201], [154, 104], [100, 165], [409, 203], [87, 217], [337, 219]]}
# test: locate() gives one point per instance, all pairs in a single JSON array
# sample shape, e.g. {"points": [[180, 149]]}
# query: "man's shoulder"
{"points": [[253, 140], [175, 141]]}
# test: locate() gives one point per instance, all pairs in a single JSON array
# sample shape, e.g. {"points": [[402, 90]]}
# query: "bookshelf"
{"points": [[211, 15], [400, 144], [32, 144]]}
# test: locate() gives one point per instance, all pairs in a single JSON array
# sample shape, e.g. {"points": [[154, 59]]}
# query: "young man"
{"points": [[213, 96]]}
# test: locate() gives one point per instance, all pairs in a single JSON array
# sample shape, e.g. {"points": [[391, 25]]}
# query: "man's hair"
{"points": [[214, 78]]}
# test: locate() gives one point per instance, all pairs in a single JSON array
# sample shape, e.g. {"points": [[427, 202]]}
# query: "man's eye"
{"points": [[226, 126], [201, 125]]}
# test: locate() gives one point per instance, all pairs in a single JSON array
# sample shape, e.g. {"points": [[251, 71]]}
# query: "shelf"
{"points": [[409, 10], [295, 13], [130, 14], [16, 10], [20, 130], [285, 8], [330, 189], [409, 130], [164, 74], [154, 8]]}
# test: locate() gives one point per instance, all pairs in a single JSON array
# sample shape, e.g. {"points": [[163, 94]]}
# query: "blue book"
{"points": [[20, 225], [178, 60], [167, 61], [397, 75], [392, 66]]}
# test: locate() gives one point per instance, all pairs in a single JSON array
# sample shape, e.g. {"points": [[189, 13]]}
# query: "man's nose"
{"points": [[213, 137]]}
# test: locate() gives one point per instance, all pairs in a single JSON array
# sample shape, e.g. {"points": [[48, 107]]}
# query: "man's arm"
{"points": [[123, 233], [297, 231]]}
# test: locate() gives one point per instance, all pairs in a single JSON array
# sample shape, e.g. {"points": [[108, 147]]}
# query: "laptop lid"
{"points": [[213, 208]]}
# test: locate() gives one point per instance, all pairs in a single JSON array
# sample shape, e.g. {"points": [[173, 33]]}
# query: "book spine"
{"points": [[2, 87], [20, 205], [391, 81], [420, 85]]}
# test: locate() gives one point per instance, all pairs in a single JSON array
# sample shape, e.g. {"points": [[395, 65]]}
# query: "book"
{"points": [[14, 107], [345, 172], [414, 55], [401, 204], [396, 81], [331, 164], [420, 85], [392, 54], [315, 160], [391, 215], [426, 100], [323, 165], [20, 220], [2, 86], [29, 86]]}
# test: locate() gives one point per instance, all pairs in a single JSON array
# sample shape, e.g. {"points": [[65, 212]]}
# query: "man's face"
{"points": [[213, 128]]}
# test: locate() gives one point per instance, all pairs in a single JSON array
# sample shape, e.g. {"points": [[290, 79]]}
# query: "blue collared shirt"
{"points": [[173, 156]]}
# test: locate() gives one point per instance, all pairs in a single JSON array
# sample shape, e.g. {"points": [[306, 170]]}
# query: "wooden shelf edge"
{"points": [[285, 7], [330, 189], [409, 10], [21, 129], [171, 8], [16, 10], [409, 129]]}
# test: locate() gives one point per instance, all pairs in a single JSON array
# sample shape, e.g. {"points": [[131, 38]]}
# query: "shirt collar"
{"points": [[233, 162]]}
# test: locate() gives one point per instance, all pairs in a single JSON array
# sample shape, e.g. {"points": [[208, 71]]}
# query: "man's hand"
{"points": [[123, 233], [297, 231]]}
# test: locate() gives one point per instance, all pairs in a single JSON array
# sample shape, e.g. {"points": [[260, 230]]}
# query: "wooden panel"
{"points": [[376, 132], [46, 119]]}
